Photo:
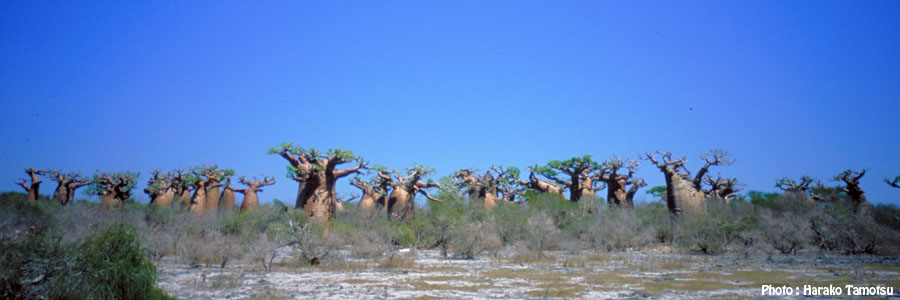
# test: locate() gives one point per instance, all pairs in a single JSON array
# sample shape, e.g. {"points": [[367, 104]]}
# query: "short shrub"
{"points": [[109, 265]]}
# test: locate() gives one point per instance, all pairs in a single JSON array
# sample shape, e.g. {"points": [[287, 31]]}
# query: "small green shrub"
{"points": [[109, 265]]}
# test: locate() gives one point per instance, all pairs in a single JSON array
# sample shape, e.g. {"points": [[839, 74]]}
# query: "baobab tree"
{"points": [[506, 181], [113, 188], [684, 193], [251, 200], [67, 184], [539, 185], [577, 174], [317, 174], [852, 189], [226, 201], [617, 191], [800, 189], [181, 187], [895, 183], [32, 189], [216, 179], [374, 193], [404, 189], [497, 184], [160, 188], [202, 179], [722, 188]]}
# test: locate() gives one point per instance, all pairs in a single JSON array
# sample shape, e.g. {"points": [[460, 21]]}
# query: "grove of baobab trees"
{"points": [[209, 188]]}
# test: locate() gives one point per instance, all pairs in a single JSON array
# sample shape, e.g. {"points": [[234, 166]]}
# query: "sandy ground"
{"points": [[648, 274]]}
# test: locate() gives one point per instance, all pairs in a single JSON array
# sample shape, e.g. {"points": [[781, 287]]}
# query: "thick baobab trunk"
{"points": [[185, 198], [681, 196], [320, 205], [226, 202], [165, 199], [61, 194], [368, 200], [198, 200], [617, 190], [32, 189], [684, 194], [109, 201], [212, 199], [251, 200]]}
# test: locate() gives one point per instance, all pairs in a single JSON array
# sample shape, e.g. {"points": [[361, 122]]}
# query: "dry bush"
{"points": [[543, 234], [617, 230], [469, 240]]}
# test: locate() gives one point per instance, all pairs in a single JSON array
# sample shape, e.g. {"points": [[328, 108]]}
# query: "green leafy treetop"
{"points": [[317, 174], [113, 188], [576, 174]]}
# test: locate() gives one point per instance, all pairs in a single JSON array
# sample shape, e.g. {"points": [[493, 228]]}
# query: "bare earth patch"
{"points": [[424, 275]]}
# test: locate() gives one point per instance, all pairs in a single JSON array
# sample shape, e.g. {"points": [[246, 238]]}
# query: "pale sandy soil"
{"points": [[648, 274]]}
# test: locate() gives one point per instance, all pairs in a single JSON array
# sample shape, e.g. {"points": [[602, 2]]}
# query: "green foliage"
{"points": [[658, 192], [106, 183], [108, 265], [312, 155], [763, 199], [711, 233]]}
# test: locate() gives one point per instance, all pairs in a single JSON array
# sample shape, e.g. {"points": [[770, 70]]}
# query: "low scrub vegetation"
{"points": [[80, 251]]}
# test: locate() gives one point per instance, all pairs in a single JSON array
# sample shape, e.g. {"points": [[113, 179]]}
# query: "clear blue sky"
{"points": [[791, 88]]}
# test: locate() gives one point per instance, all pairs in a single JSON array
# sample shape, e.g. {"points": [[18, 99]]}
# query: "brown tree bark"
{"points": [[372, 196], [541, 186], [160, 189], [251, 200], [401, 202], [226, 201], [113, 188], [684, 194], [317, 174], [617, 190], [66, 186], [33, 189], [853, 190]]}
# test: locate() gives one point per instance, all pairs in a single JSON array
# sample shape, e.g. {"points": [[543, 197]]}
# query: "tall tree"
{"points": [[684, 193], [541, 186], [160, 188], [401, 202], [317, 174], [67, 184], [617, 191], [251, 200], [852, 189], [182, 187], [226, 201], [800, 189], [32, 189], [577, 173], [374, 193], [113, 188], [722, 188], [202, 179]]}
